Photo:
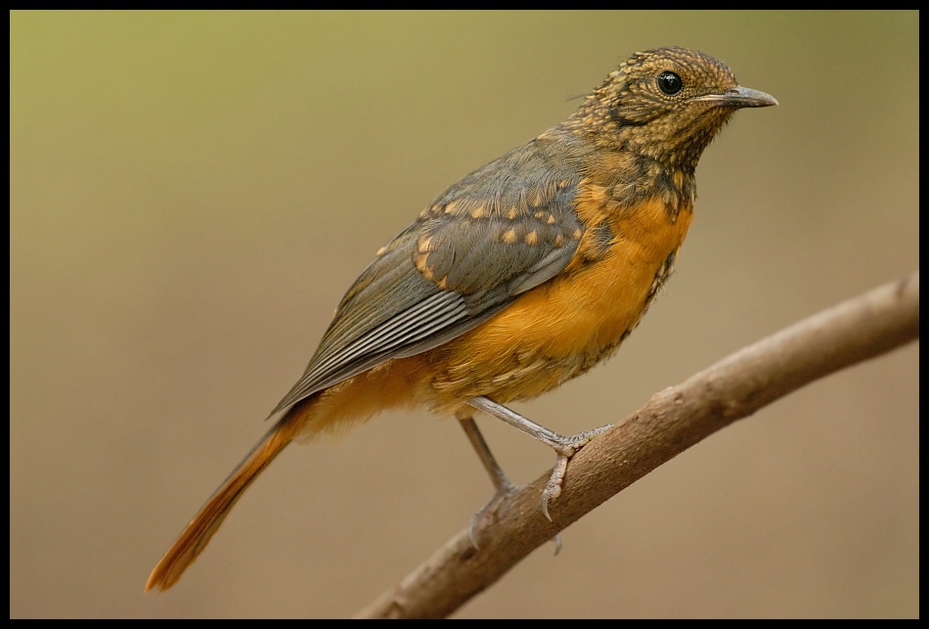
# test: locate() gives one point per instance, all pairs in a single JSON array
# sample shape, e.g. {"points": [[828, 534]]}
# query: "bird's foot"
{"points": [[565, 448], [488, 512]]}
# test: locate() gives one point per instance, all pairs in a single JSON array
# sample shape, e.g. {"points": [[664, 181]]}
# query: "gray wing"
{"points": [[499, 232]]}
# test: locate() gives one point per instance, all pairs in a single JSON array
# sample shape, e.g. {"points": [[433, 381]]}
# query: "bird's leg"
{"points": [[502, 485], [564, 447]]}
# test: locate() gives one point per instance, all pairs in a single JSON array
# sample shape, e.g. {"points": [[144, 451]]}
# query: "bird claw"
{"points": [[566, 449], [553, 487], [486, 513], [489, 510]]}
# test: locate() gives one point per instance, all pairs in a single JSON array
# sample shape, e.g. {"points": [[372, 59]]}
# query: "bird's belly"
{"points": [[562, 328]]}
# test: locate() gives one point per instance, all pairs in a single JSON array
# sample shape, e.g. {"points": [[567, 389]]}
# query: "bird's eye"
{"points": [[670, 83]]}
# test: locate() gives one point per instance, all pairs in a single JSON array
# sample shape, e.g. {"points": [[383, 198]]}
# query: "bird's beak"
{"points": [[739, 97]]}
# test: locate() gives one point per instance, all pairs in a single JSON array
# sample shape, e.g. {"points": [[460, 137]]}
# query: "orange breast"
{"points": [[550, 334], [562, 328]]}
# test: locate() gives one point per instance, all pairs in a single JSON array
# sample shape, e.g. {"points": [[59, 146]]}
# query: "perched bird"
{"points": [[520, 276]]}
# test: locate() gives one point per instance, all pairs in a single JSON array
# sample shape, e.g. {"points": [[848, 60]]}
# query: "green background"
{"points": [[191, 193]]}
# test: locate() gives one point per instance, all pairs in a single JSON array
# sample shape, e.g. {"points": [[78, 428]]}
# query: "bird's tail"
{"points": [[195, 536]]}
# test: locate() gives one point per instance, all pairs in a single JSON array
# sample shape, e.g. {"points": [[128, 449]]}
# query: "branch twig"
{"points": [[672, 421]]}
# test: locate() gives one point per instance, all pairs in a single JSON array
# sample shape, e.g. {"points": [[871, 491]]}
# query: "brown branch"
{"points": [[672, 421]]}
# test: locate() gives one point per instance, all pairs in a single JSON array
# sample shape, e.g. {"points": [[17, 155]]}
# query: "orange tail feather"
{"points": [[195, 536]]}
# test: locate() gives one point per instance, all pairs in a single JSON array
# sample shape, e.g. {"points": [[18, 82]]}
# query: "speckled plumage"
{"points": [[520, 276]]}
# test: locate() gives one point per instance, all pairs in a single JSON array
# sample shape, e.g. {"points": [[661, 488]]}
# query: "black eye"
{"points": [[670, 83]]}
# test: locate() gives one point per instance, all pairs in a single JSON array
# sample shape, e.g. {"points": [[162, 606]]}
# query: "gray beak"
{"points": [[739, 97]]}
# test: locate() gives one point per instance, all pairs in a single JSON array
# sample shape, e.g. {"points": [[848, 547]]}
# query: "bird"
{"points": [[522, 275]]}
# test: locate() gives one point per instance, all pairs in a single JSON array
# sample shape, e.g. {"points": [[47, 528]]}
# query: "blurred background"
{"points": [[191, 193]]}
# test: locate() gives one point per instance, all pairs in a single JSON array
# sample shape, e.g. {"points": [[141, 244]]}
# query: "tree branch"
{"points": [[673, 420]]}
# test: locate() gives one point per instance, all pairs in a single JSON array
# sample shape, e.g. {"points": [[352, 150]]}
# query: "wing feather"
{"points": [[499, 232]]}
